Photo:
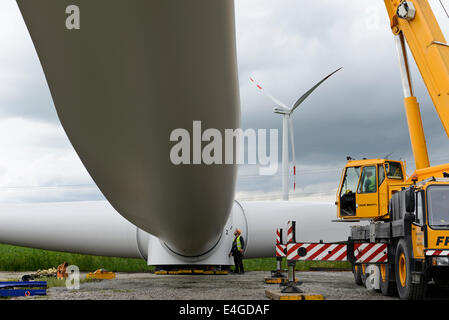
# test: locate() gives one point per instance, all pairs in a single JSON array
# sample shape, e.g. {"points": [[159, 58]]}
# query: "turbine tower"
{"points": [[287, 127]]}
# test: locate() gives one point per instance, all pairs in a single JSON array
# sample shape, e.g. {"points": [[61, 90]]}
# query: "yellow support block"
{"points": [[160, 272], [208, 272], [197, 271], [185, 271], [303, 296], [275, 280], [101, 274], [221, 272], [173, 272], [191, 271], [278, 295]]}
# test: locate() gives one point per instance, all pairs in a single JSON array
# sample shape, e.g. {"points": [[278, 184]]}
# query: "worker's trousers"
{"points": [[238, 262]]}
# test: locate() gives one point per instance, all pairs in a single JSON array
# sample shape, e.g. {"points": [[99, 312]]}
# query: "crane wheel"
{"points": [[363, 274], [403, 262], [357, 271], [387, 283]]}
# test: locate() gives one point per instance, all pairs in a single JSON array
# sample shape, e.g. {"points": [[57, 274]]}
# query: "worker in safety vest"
{"points": [[238, 246], [370, 182]]}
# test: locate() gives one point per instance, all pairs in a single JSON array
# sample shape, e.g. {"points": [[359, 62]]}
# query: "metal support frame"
{"points": [[291, 285], [278, 272]]}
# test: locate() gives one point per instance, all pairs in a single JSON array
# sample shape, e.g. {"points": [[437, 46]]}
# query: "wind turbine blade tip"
{"points": [[338, 69]]}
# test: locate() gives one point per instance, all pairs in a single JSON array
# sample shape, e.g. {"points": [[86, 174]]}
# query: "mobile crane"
{"points": [[410, 215]]}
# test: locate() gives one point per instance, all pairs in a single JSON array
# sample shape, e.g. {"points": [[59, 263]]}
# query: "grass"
{"points": [[14, 258]]}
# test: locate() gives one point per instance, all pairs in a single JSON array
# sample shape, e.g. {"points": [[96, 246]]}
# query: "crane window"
{"points": [[347, 193], [368, 180], [381, 174], [419, 208], [394, 170], [351, 180], [437, 200]]}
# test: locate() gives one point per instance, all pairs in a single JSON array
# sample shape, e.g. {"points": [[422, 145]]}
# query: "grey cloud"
{"points": [[288, 45]]}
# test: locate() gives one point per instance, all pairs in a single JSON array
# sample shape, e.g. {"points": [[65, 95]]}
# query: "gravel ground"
{"points": [[250, 286]]}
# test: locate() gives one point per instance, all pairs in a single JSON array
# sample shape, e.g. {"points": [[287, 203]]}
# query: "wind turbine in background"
{"points": [[287, 126]]}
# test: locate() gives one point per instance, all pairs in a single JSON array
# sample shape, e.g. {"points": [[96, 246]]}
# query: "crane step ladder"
{"points": [[23, 288], [355, 252]]}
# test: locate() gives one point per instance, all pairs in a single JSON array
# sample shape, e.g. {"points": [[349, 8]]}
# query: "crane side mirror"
{"points": [[410, 200]]}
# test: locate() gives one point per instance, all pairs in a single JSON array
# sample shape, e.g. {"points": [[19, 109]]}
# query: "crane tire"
{"points": [[403, 263], [357, 271], [387, 283]]}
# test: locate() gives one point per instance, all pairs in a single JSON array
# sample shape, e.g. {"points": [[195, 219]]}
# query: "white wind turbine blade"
{"points": [[267, 94], [292, 141], [305, 95]]}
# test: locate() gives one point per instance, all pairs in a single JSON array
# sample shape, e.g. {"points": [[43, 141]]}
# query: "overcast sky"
{"points": [[286, 45]]}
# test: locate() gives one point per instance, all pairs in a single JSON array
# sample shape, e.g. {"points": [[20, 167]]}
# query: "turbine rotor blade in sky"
{"points": [[305, 95], [267, 94]]}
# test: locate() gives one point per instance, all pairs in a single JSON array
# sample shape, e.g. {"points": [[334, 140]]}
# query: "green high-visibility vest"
{"points": [[372, 185], [239, 244]]}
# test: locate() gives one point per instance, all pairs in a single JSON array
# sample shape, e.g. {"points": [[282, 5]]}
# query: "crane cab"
{"points": [[366, 186]]}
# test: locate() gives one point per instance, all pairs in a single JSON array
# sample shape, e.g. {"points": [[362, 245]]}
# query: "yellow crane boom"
{"points": [[410, 216], [416, 22], [367, 186]]}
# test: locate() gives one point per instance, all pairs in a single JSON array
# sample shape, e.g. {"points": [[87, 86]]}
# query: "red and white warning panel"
{"points": [[278, 236], [316, 251], [280, 250], [437, 253], [291, 227], [371, 252], [363, 252]]}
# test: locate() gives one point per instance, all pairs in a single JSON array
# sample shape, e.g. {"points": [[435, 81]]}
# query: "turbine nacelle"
{"points": [[281, 110]]}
